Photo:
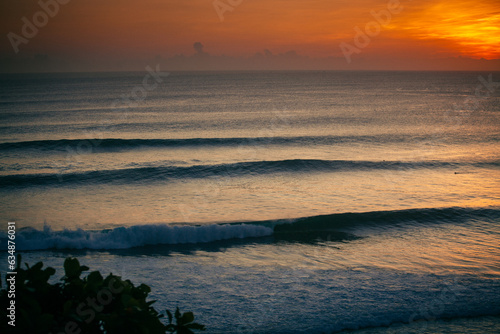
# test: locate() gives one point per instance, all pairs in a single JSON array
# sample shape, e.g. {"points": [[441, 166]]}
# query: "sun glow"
{"points": [[471, 28]]}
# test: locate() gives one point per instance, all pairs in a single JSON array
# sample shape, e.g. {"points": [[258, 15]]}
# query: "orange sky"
{"points": [[132, 29]]}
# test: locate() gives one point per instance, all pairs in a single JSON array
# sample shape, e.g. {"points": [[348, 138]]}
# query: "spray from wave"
{"points": [[134, 236]]}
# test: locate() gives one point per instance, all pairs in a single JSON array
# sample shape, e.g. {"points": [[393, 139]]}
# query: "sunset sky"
{"points": [[131, 30]]}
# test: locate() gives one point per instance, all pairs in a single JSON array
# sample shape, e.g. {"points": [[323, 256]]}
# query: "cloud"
{"points": [[198, 47], [467, 28]]}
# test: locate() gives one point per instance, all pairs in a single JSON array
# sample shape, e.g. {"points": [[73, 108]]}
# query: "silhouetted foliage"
{"points": [[92, 304]]}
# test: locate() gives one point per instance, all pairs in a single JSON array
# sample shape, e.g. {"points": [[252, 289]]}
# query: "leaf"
{"points": [[72, 267], [50, 271], [126, 299], [144, 288], [187, 318], [37, 266], [67, 307], [169, 314], [45, 321], [177, 314], [94, 278]]}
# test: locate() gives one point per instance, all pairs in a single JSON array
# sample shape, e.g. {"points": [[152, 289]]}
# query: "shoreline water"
{"points": [[473, 325]]}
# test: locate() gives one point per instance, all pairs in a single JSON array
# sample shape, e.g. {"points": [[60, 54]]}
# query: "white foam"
{"points": [[134, 236]]}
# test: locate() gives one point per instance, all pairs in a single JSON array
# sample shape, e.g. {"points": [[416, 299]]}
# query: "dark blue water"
{"points": [[272, 202]]}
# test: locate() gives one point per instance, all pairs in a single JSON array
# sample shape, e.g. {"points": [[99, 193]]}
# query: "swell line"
{"points": [[152, 174], [128, 144], [114, 144]]}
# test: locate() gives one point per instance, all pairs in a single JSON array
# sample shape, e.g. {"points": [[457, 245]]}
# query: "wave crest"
{"points": [[134, 236]]}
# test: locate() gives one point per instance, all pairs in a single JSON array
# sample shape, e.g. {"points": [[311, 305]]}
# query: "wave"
{"points": [[334, 227], [340, 221], [114, 144], [151, 174], [134, 236]]}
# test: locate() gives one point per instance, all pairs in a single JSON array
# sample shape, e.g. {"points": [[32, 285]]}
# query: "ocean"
{"points": [[266, 202]]}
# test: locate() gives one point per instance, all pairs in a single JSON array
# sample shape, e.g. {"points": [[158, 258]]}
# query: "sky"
{"points": [[250, 34]]}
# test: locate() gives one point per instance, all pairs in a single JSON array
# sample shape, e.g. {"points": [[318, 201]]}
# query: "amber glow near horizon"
{"points": [[129, 28]]}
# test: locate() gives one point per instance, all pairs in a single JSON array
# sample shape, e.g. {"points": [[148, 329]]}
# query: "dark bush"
{"points": [[92, 304]]}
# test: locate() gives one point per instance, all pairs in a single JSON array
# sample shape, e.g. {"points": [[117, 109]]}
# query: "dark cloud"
{"points": [[198, 47]]}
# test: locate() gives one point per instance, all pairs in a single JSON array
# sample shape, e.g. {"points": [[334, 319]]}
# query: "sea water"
{"points": [[267, 202]]}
